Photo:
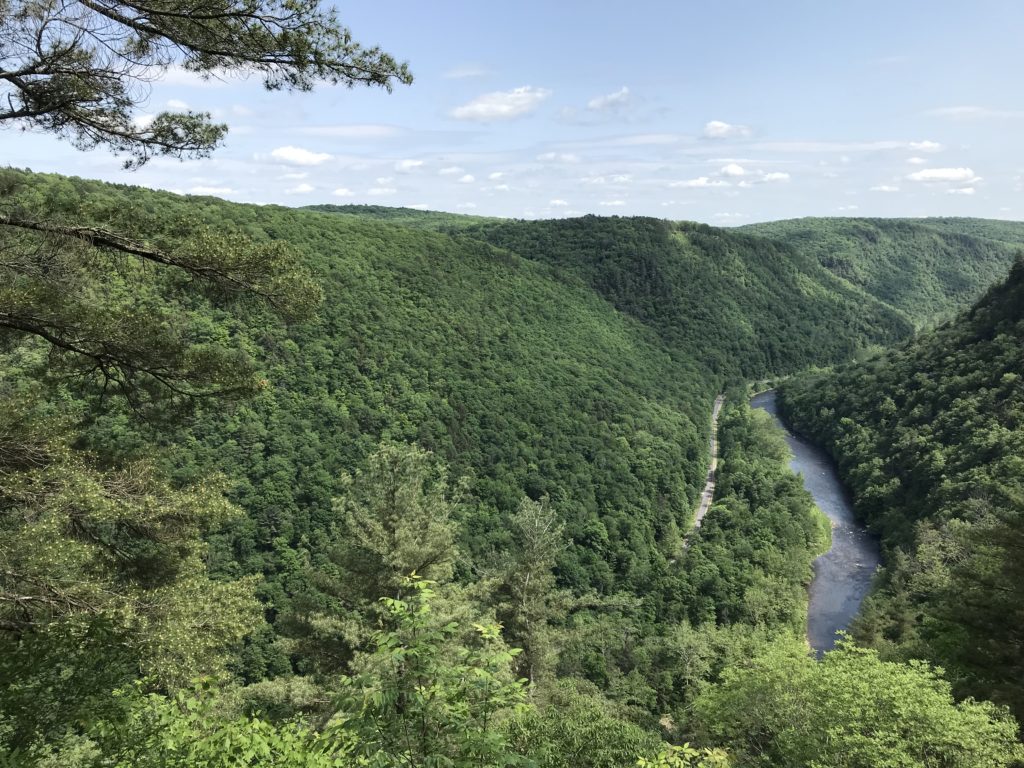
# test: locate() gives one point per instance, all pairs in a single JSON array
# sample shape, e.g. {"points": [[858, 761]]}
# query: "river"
{"points": [[842, 576]]}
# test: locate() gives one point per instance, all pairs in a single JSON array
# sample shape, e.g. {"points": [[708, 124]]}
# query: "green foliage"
{"points": [[397, 514], [851, 710], [193, 729], [687, 757], [111, 306], [930, 438], [564, 371], [746, 305], [395, 517], [739, 584], [750, 562], [569, 727], [61, 74], [926, 268], [530, 601], [102, 579], [421, 700]]}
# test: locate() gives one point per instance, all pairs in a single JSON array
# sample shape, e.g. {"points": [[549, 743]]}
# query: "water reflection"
{"points": [[842, 576]]}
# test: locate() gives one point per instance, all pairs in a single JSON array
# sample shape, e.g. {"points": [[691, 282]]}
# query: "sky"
{"points": [[722, 111]]}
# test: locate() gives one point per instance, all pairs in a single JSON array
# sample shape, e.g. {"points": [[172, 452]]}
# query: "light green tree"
{"points": [[398, 519], [532, 597], [422, 699], [851, 710]]}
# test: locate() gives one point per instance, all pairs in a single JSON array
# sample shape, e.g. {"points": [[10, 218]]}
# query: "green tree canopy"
{"points": [[851, 710]]}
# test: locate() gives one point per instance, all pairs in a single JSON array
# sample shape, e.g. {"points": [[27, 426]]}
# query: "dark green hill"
{"points": [[746, 305], [561, 371], [930, 438], [923, 267], [575, 359]]}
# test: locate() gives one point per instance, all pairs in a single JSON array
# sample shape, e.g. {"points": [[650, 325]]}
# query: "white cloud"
{"points": [[502, 187], [382, 191], [451, 170], [615, 178], [466, 70], [299, 156], [961, 191], [610, 101], [143, 121], [775, 176], [300, 189], [177, 104], [731, 216], [466, 206], [496, 175], [419, 207], [884, 188], [502, 105], [848, 208], [385, 180], [352, 131], [717, 129], [944, 174], [404, 166], [974, 113], [558, 203], [558, 157], [343, 192], [204, 190], [917, 161], [297, 176], [698, 183], [733, 169], [612, 203], [843, 147], [467, 179], [178, 75]]}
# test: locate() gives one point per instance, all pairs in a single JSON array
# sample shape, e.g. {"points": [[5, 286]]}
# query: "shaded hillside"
{"points": [[923, 267], [930, 439], [514, 371], [564, 400], [746, 305]]}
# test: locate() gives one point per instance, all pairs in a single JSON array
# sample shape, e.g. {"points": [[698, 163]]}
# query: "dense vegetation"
{"points": [[930, 438], [526, 433], [922, 267], [745, 305]]}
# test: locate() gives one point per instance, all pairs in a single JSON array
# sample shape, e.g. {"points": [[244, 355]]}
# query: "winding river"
{"points": [[842, 575]]}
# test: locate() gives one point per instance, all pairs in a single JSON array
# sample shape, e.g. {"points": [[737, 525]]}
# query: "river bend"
{"points": [[842, 576]]}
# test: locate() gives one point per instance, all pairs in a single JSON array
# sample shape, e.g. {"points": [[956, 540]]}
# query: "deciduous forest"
{"points": [[358, 485]]}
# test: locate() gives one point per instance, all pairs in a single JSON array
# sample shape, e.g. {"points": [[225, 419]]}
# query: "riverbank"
{"points": [[843, 575]]}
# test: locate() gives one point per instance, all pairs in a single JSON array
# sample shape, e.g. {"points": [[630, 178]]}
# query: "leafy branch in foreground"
{"points": [[82, 69], [108, 306]]}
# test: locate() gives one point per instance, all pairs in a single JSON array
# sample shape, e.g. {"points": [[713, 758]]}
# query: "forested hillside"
{"points": [[923, 267], [743, 304], [500, 425], [930, 439], [512, 372], [354, 485]]}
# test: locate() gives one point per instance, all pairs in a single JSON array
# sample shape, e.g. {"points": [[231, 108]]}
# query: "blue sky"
{"points": [[721, 111]]}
